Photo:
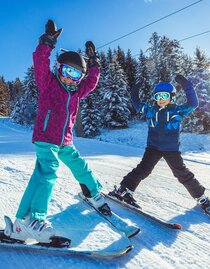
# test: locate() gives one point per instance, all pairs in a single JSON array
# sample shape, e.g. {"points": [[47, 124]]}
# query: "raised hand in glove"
{"points": [[182, 81], [92, 54], [192, 99], [135, 96], [51, 34]]}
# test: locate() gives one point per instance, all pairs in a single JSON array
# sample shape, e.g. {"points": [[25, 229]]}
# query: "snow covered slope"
{"points": [[159, 194]]}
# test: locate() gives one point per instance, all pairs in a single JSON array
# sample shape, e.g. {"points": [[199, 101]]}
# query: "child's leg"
{"points": [[79, 168], [38, 192], [183, 174], [142, 170], [25, 204]]}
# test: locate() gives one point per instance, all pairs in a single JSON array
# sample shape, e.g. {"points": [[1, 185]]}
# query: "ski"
{"points": [[175, 226], [45, 248], [55, 241], [57, 246], [115, 220]]}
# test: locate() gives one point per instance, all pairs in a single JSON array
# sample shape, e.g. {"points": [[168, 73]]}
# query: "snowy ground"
{"points": [[160, 194]]}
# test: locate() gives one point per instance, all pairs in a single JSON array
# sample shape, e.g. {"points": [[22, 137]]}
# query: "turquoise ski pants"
{"points": [[38, 193]]}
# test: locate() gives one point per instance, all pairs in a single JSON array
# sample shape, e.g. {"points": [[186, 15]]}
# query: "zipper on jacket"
{"points": [[168, 116], [156, 116], [152, 124], [67, 118], [46, 120]]}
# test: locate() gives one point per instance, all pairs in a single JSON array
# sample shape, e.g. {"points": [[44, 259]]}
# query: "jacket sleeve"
{"points": [[192, 100], [42, 71], [89, 83]]}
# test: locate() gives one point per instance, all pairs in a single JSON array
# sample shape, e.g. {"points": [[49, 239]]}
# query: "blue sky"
{"points": [[22, 22]]}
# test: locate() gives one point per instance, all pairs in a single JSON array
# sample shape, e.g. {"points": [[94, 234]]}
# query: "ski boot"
{"points": [[204, 203], [20, 233], [98, 201], [125, 195], [39, 230]]}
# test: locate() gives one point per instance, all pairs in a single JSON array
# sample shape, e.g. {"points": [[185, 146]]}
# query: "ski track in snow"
{"points": [[159, 194]]}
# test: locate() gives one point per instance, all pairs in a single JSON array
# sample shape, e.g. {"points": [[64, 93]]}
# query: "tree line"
{"points": [[109, 106]]}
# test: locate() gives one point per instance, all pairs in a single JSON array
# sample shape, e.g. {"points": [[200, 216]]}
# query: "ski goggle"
{"points": [[162, 95], [68, 71]]}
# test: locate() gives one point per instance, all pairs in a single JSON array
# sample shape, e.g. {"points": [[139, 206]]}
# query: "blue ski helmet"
{"points": [[164, 87]]}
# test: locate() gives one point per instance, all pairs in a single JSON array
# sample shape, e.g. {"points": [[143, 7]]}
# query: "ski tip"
{"points": [[134, 233], [177, 226], [129, 248]]}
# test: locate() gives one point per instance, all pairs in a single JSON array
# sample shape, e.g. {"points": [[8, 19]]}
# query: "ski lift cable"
{"points": [[149, 24], [206, 32], [186, 38]]}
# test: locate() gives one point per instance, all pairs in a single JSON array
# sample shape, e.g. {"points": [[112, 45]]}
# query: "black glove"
{"points": [[51, 34], [182, 81], [92, 54], [135, 95]]}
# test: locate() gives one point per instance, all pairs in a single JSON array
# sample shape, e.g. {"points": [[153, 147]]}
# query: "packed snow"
{"points": [[111, 156]]}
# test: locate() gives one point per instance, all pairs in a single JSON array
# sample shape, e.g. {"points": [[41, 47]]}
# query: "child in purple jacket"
{"points": [[59, 97]]}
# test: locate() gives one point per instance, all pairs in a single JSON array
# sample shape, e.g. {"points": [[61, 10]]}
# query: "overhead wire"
{"points": [[151, 23], [186, 38], [206, 32]]}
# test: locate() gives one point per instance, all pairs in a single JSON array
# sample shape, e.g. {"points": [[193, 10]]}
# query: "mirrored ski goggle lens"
{"points": [[162, 95], [68, 71]]}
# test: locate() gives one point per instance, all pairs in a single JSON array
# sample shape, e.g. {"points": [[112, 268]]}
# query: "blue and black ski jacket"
{"points": [[164, 123]]}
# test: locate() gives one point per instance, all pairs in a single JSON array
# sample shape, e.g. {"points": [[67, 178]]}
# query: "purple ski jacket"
{"points": [[57, 107]]}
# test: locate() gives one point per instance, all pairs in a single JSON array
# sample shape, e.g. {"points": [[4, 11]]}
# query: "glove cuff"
{"points": [[48, 40], [94, 61]]}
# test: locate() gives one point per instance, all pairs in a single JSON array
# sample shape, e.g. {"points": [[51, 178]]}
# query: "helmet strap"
{"points": [[173, 97]]}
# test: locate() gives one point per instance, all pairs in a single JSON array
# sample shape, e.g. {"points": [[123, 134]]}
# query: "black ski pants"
{"points": [[174, 161]]}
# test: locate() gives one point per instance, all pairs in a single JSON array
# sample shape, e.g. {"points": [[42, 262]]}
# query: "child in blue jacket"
{"points": [[164, 120]]}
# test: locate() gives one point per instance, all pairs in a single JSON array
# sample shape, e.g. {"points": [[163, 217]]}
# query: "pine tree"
{"points": [[91, 116], [25, 109], [99, 91], [130, 69], [4, 98], [154, 52], [109, 56], [186, 69], [91, 106], [170, 58], [199, 120], [15, 89], [165, 58], [103, 69], [103, 74], [186, 65], [116, 98], [143, 78], [120, 56], [201, 60]]}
